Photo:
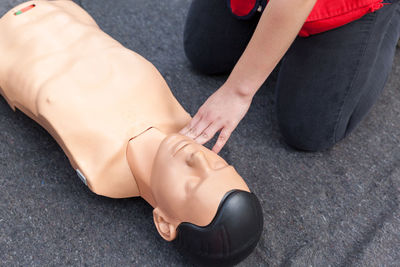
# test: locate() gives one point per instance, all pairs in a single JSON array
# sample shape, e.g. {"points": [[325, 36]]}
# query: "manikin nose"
{"points": [[199, 161]]}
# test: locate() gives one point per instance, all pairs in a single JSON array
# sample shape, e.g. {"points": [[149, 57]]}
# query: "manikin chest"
{"points": [[88, 91]]}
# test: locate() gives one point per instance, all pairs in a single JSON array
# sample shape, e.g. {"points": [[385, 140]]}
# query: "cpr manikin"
{"points": [[116, 119]]}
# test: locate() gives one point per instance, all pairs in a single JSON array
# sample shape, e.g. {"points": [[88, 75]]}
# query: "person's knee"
{"points": [[306, 141], [307, 134], [213, 39], [204, 55], [194, 52]]}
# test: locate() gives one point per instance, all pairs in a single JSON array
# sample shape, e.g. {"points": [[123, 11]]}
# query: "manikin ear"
{"points": [[164, 227]]}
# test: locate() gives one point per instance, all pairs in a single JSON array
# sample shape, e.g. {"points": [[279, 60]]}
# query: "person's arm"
{"points": [[276, 30]]}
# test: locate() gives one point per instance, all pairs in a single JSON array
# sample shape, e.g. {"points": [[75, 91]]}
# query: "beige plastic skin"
{"points": [[111, 112]]}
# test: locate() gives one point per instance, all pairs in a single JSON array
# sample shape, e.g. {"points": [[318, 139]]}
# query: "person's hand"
{"points": [[222, 112]]}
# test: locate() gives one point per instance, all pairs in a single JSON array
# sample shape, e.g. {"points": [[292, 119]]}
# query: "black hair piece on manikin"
{"points": [[230, 237]]}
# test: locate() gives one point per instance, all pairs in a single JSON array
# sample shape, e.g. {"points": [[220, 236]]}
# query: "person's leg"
{"points": [[328, 82], [214, 40]]}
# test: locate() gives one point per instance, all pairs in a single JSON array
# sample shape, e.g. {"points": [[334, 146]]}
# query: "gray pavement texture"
{"points": [[336, 208]]}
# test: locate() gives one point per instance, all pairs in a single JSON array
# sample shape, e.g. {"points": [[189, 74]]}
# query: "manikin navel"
{"points": [[116, 119]]}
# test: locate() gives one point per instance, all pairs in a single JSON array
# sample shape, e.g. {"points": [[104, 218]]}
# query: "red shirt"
{"points": [[326, 14]]}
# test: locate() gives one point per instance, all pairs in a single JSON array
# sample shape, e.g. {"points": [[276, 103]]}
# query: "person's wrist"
{"points": [[242, 90]]}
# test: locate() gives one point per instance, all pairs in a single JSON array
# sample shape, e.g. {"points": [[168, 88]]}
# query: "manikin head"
{"points": [[202, 203]]}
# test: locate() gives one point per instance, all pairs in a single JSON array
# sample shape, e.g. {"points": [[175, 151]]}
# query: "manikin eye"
{"points": [[219, 165]]}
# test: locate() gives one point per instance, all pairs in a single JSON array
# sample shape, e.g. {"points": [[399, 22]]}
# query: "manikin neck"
{"points": [[141, 152]]}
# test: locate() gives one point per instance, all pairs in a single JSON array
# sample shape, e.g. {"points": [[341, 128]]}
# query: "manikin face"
{"points": [[188, 181]]}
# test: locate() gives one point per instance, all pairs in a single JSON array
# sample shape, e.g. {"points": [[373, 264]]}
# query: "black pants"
{"points": [[327, 82]]}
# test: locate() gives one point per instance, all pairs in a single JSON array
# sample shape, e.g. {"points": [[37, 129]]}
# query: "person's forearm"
{"points": [[276, 30]]}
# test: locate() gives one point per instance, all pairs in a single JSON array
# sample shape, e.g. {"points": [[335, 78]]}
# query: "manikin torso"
{"points": [[94, 114]]}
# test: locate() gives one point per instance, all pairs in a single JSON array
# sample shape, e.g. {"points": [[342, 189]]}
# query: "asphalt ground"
{"points": [[334, 208]]}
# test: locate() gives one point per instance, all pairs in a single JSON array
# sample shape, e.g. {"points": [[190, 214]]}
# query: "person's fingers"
{"points": [[222, 139], [198, 129], [189, 127], [208, 133], [185, 129]]}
